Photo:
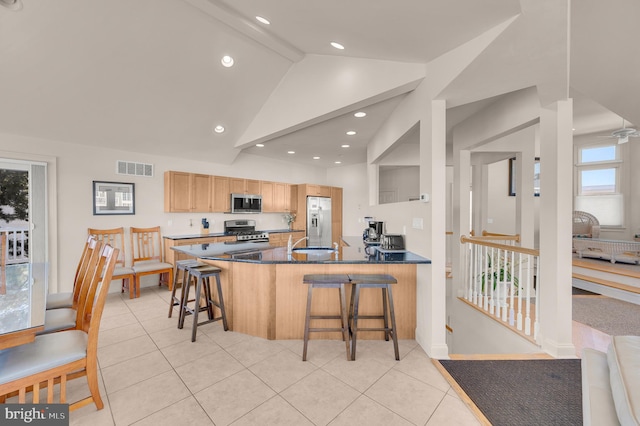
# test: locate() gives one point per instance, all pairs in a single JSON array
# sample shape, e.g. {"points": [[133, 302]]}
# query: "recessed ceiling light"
{"points": [[345, 146], [316, 158], [260, 145], [351, 132], [218, 129], [227, 61], [338, 162], [337, 45], [360, 114], [11, 4], [291, 152], [263, 20]]}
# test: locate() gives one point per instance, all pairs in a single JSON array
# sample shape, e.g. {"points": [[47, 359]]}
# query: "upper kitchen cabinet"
{"points": [[276, 197], [316, 190], [187, 192], [245, 186], [221, 192]]}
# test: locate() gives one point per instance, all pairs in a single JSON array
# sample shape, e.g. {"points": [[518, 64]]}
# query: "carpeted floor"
{"points": [[611, 316], [522, 392]]}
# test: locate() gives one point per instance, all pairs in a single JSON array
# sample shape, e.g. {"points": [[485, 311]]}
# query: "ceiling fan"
{"points": [[623, 134]]}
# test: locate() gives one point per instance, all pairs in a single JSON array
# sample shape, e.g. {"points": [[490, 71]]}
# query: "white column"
{"points": [[431, 295], [556, 194]]}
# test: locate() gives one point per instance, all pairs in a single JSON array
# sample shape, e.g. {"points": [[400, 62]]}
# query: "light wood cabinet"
{"points": [[268, 204], [176, 192], [221, 194], [186, 192], [317, 190], [282, 238], [336, 214], [192, 192], [245, 186], [276, 197], [200, 193]]}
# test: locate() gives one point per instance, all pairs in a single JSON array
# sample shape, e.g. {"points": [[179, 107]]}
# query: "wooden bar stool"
{"points": [[202, 275], [326, 281], [381, 281], [181, 269]]}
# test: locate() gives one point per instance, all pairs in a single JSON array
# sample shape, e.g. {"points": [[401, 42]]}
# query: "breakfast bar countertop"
{"points": [[225, 234], [266, 253]]}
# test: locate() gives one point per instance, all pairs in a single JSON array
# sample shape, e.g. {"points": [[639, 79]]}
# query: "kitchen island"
{"points": [[265, 297]]}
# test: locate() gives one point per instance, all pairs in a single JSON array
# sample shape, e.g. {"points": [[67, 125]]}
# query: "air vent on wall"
{"points": [[134, 169]]}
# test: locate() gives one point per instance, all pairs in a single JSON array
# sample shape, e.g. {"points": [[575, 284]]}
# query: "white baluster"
{"points": [[536, 324], [527, 301], [512, 287], [485, 274], [519, 316]]}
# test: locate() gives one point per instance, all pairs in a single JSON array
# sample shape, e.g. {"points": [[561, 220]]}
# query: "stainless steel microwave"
{"points": [[246, 203]]}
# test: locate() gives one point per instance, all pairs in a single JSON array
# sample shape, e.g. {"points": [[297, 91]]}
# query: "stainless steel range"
{"points": [[245, 231]]}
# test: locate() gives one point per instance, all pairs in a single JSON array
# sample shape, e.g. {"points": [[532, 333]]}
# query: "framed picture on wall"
{"points": [[512, 177], [113, 198]]}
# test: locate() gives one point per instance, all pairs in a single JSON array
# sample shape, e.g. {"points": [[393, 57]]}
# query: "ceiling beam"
{"points": [[234, 20]]}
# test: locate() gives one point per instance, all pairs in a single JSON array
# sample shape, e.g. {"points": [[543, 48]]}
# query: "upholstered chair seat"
{"points": [[46, 352], [59, 300], [59, 319]]}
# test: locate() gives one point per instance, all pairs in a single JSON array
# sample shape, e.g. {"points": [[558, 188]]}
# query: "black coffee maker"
{"points": [[373, 232]]}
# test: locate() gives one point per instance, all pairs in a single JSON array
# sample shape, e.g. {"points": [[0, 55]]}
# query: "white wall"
{"points": [[78, 166], [501, 207], [403, 182], [355, 196]]}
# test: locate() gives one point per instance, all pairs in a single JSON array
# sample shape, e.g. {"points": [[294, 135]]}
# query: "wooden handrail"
{"points": [[507, 237], [484, 241]]}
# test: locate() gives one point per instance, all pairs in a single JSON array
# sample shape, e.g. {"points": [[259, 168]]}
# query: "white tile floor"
{"points": [[151, 374]]}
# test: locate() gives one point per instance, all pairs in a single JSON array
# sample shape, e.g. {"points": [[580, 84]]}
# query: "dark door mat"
{"points": [[522, 392]]}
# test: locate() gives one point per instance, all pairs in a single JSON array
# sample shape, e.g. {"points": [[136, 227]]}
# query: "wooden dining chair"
{"points": [[115, 238], [67, 299], [55, 358], [147, 256], [71, 318]]}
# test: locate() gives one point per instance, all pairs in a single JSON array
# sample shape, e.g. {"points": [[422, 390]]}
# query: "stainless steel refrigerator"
{"points": [[319, 222]]}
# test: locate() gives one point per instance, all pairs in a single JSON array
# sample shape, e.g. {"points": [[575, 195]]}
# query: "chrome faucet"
{"points": [[291, 246]]}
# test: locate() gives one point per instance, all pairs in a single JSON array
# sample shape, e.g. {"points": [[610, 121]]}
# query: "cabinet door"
{"points": [[279, 197], [293, 198], [336, 214], [324, 191], [237, 185], [177, 192], [253, 186], [268, 203], [221, 194], [200, 193]]}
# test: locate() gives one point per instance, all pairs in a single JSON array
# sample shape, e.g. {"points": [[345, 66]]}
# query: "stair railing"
{"points": [[502, 281]]}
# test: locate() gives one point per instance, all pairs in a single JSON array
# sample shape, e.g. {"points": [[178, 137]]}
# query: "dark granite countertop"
{"points": [[223, 234], [265, 253]]}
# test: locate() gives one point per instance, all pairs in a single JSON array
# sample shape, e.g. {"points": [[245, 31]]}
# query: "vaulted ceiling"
{"points": [[145, 75]]}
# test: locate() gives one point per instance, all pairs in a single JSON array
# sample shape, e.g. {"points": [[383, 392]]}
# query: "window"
{"points": [[598, 172]]}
